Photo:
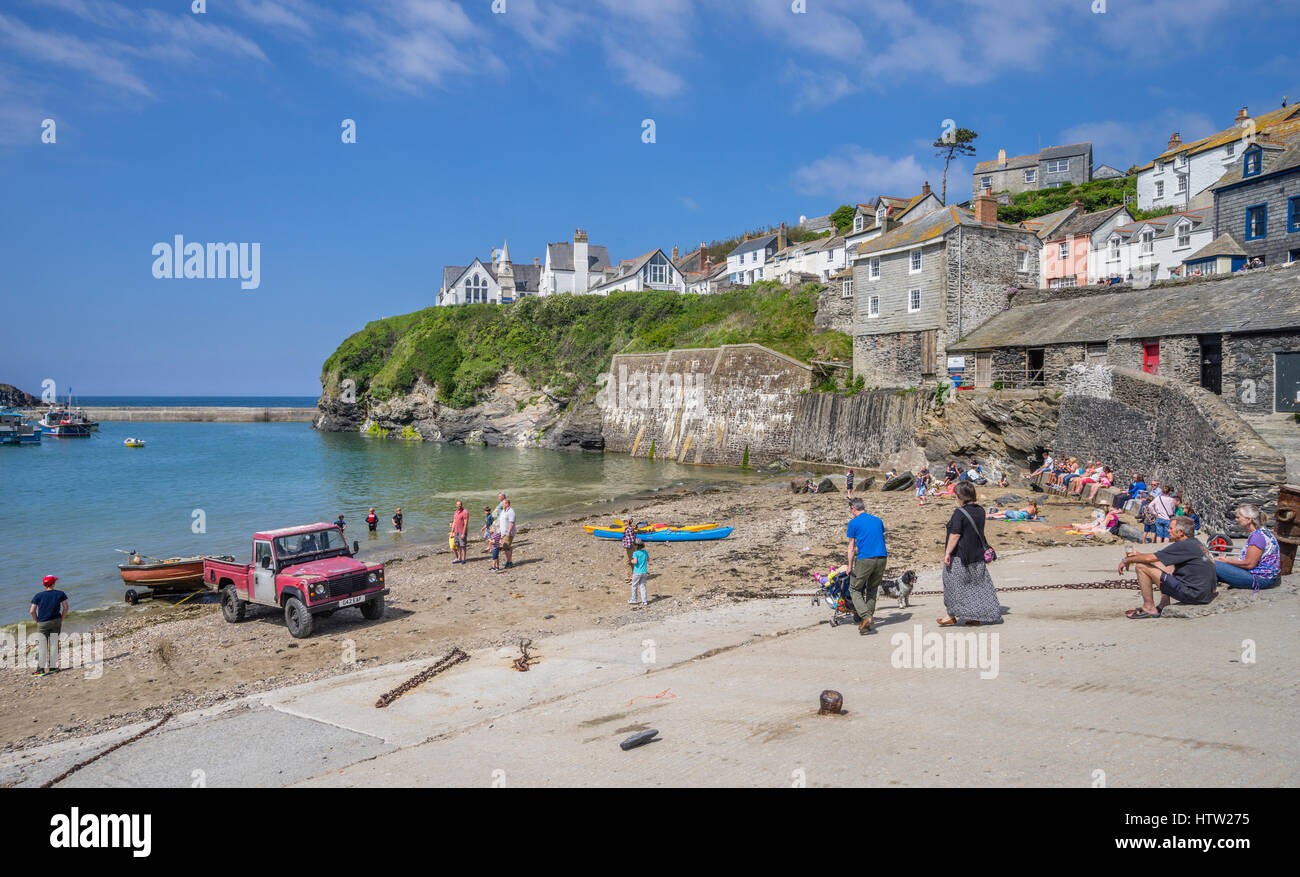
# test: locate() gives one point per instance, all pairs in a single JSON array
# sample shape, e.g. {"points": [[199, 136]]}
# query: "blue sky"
{"points": [[474, 127]]}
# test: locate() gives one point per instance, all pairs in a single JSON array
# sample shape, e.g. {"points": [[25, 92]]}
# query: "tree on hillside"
{"points": [[843, 218], [953, 141]]}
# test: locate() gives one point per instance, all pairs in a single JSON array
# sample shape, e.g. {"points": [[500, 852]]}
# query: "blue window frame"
{"points": [[1252, 161], [1293, 214], [1256, 222]]}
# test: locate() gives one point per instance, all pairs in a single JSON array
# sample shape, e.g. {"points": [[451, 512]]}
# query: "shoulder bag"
{"points": [[989, 554]]}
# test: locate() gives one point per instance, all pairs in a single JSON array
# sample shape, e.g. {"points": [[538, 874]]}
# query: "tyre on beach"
{"points": [[297, 618], [131, 597], [232, 608], [373, 610], [900, 482]]}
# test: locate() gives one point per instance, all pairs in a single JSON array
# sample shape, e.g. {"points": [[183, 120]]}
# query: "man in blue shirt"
{"points": [[47, 609], [867, 557]]}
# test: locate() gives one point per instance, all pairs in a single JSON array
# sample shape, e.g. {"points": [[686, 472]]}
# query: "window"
{"points": [[476, 289], [1114, 249], [874, 268], [914, 267], [1230, 150], [658, 273], [1293, 214], [1251, 163], [830, 255], [857, 223], [881, 213], [1063, 282], [848, 289], [1184, 234], [1256, 222], [758, 275], [873, 306], [1160, 190], [1031, 175], [986, 183], [1148, 243], [1063, 251], [913, 300], [1058, 166], [1022, 260], [1182, 182]]}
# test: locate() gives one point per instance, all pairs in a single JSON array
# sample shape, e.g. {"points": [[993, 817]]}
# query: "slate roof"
{"points": [[753, 244], [1165, 226], [1281, 121], [1224, 245], [1045, 226], [1022, 161], [929, 228], [560, 257], [628, 268], [1085, 223], [1276, 157], [1251, 301], [527, 277]]}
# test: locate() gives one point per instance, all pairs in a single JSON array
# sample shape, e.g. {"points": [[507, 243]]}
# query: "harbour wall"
{"points": [[213, 414]]}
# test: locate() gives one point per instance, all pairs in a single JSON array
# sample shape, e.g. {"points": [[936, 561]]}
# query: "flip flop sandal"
{"points": [[1141, 613], [942, 623]]}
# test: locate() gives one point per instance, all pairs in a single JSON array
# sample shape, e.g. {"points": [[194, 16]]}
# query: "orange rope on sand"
{"points": [[665, 694]]}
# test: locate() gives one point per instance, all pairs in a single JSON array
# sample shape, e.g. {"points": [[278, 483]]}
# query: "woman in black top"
{"points": [[968, 593]]}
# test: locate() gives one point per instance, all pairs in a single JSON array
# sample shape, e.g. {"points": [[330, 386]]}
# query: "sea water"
{"points": [[205, 488]]}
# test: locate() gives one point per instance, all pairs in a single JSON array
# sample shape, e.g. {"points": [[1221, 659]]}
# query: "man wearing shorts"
{"points": [[506, 527], [460, 530], [1182, 571], [1164, 506]]}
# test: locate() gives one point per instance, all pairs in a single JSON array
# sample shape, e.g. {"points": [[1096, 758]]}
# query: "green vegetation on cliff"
{"points": [[1095, 195], [565, 341]]}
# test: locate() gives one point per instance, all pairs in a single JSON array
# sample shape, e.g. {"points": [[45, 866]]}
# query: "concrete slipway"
{"points": [[1082, 695]]}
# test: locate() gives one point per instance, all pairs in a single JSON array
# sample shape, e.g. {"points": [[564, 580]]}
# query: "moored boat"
{"points": [[15, 429], [134, 443], [65, 423]]}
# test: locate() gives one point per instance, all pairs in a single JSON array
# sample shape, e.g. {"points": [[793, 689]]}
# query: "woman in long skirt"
{"points": [[968, 594]]}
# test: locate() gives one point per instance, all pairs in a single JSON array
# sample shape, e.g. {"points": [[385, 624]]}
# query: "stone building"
{"points": [[924, 285], [1237, 336], [1046, 169], [495, 281], [1257, 201]]}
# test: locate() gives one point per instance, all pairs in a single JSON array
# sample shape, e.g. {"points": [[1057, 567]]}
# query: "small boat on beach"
{"points": [[172, 575], [646, 528], [671, 535]]}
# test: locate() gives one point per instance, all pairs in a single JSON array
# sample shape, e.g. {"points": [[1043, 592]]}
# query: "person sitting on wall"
{"points": [[1105, 478], [1259, 563], [1105, 521], [1181, 570], [1136, 488], [1048, 463]]}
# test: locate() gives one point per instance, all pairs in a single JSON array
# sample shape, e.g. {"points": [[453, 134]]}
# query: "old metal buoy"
{"points": [[831, 703]]}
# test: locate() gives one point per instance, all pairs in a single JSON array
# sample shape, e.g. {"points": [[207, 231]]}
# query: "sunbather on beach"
{"points": [[1028, 513], [1106, 520]]}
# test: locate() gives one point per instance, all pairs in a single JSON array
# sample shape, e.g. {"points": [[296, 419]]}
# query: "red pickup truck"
{"points": [[306, 571]]}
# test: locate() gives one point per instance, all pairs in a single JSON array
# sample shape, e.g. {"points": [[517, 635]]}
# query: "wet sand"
{"points": [[176, 659]]}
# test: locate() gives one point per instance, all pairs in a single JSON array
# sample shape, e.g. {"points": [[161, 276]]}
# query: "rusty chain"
{"points": [[80, 764], [451, 659], [522, 662], [1113, 585]]}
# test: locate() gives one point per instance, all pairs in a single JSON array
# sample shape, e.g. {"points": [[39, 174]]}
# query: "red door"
{"points": [[1151, 357]]}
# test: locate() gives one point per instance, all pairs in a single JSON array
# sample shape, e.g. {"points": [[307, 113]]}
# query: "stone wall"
{"points": [[706, 405], [858, 430], [1248, 368], [834, 311], [1181, 435]]}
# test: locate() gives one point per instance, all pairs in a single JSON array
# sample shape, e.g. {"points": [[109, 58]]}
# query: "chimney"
{"points": [[1174, 140], [675, 256], [581, 263], [1078, 205], [1242, 115], [780, 238], [986, 209], [1002, 157], [925, 190]]}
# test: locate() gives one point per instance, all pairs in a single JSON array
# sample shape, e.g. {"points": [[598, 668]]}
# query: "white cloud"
{"points": [[852, 174], [688, 202]]}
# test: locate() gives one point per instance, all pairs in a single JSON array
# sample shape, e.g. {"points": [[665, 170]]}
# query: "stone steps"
{"points": [[1282, 432]]}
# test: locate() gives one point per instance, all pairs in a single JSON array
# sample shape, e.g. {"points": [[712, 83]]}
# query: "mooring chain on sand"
{"points": [[80, 764], [521, 663], [451, 659], [1112, 585]]}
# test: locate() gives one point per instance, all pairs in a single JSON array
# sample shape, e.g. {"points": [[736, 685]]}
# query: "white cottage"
{"points": [[559, 275]]}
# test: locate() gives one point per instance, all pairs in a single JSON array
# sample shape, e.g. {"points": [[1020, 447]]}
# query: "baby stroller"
{"points": [[834, 589]]}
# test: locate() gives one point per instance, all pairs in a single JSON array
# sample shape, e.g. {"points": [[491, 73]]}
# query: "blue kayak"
{"points": [[674, 535]]}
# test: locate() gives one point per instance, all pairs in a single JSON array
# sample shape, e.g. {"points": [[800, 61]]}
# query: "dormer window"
{"points": [[1114, 249], [857, 223], [880, 215], [1184, 234], [1252, 163]]}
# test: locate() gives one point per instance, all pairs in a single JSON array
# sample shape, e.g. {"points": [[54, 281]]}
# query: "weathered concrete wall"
{"points": [[1182, 435], [201, 414], [858, 430], [707, 405]]}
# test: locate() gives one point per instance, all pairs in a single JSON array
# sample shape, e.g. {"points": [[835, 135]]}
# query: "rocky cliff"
{"points": [[12, 397], [1008, 427], [509, 414]]}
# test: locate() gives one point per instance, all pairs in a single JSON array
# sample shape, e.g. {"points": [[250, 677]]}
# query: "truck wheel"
{"points": [[373, 609], [232, 608], [297, 618]]}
